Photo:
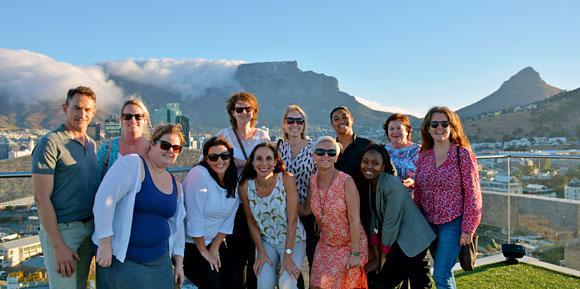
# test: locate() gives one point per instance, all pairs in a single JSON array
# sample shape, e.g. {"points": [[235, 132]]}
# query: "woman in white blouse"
{"points": [[211, 204]]}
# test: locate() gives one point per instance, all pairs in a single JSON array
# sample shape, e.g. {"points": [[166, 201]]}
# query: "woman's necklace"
{"points": [[320, 190]]}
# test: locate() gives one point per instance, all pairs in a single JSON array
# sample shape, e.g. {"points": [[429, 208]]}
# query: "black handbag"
{"points": [[468, 253]]}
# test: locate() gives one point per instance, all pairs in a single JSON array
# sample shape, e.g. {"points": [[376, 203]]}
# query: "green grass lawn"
{"points": [[500, 276]]}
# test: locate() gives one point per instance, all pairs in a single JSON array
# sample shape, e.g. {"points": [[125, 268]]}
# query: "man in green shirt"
{"points": [[64, 165]]}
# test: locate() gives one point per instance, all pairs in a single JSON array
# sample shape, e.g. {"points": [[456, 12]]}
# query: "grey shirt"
{"points": [[74, 169]]}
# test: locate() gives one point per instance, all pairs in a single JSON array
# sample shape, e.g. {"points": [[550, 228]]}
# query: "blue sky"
{"points": [[410, 54]]}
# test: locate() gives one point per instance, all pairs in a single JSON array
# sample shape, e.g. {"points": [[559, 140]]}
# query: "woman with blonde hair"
{"points": [[135, 125], [447, 189], [342, 249], [296, 148]]}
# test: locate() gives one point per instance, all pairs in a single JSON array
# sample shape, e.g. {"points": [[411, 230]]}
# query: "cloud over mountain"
{"points": [[188, 77], [29, 77]]}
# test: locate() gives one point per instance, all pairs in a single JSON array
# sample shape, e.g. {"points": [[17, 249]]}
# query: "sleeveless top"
{"points": [[302, 166], [270, 214], [150, 230]]}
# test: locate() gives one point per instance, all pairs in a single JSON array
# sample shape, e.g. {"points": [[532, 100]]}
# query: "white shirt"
{"points": [[114, 206], [209, 211], [259, 137]]}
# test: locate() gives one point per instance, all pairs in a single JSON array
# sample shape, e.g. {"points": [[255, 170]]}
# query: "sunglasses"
{"points": [[320, 152], [128, 116], [248, 109], [435, 124], [167, 145], [214, 157], [295, 120]]}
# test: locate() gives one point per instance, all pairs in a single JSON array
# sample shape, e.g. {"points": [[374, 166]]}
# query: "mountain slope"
{"points": [[552, 117], [523, 88]]}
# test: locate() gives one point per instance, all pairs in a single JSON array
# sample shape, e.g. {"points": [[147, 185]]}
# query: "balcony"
{"points": [[531, 200]]}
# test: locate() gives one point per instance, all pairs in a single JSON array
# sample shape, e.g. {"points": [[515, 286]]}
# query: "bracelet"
{"points": [[355, 254]]}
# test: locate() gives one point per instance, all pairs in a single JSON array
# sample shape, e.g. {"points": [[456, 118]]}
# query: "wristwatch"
{"points": [[288, 251]]}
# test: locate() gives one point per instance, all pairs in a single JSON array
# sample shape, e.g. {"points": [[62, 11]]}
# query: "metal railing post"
{"points": [[509, 222]]}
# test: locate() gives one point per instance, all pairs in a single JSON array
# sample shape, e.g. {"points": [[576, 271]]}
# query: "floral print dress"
{"points": [[333, 249]]}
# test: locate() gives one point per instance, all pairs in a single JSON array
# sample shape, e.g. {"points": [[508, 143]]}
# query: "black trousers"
{"points": [[399, 269], [311, 241], [243, 249], [198, 270]]}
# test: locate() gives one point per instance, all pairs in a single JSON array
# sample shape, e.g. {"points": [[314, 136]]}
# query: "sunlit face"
{"points": [[264, 162], [245, 115], [325, 161], [161, 157], [220, 165], [133, 126], [342, 122], [292, 126], [440, 134], [397, 132], [79, 112], [372, 165]]}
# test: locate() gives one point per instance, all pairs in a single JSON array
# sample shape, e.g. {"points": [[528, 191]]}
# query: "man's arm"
{"points": [[42, 186]]}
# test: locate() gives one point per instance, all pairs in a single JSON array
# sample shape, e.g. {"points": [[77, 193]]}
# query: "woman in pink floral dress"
{"points": [[334, 200]]}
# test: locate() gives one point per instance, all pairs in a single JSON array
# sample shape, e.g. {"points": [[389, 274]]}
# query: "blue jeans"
{"points": [[447, 249], [267, 277]]}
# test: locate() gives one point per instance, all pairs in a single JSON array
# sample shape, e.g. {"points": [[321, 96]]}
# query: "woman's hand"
{"points": [[289, 266], [178, 275], [466, 238], [409, 183], [262, 258], [105, 252], [353, 261], [214, 262]]}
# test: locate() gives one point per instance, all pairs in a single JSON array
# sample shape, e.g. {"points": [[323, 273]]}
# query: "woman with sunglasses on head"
{"points": [[447, 189], [341, 251], [139, 215], [243, 110], [270, 201], [135, 124], [399, 229], [296, 148], [211, 204], [403, 151]]}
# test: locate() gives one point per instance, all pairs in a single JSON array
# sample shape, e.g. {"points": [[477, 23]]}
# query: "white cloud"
{"points": [[27, 76], [188, 77], [390, 109]]}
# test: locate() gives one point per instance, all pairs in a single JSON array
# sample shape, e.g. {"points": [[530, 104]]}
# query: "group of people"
{"points": [[250, 212]]}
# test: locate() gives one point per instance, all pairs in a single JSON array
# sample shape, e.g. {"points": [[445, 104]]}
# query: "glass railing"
{"points": [[531, 200]]}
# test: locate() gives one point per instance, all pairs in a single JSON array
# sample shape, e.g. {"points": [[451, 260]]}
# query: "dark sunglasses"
{"points": [[167, 145], [248, 109], [128, 116], [295, 120], [320, 152], [214, 157], [435, 124]]}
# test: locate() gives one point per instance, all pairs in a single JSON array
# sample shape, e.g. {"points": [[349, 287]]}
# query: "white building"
{"points": [[500, 184], [16, 251], [572, 190]]}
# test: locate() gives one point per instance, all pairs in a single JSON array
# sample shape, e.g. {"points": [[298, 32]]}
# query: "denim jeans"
{"points": [[445, 254], [76, 235], [267, 277]]}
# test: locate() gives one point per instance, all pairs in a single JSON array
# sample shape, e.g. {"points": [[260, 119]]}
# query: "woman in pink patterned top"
{"points": [[447, 189], [342, 248]]}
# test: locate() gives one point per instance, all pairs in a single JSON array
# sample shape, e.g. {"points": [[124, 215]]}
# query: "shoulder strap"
{"points": [[240, 143], [106, 161], [278, 144]]}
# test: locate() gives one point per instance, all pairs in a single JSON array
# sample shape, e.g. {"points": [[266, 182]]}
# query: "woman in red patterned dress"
{"points": [[334, 200]]}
